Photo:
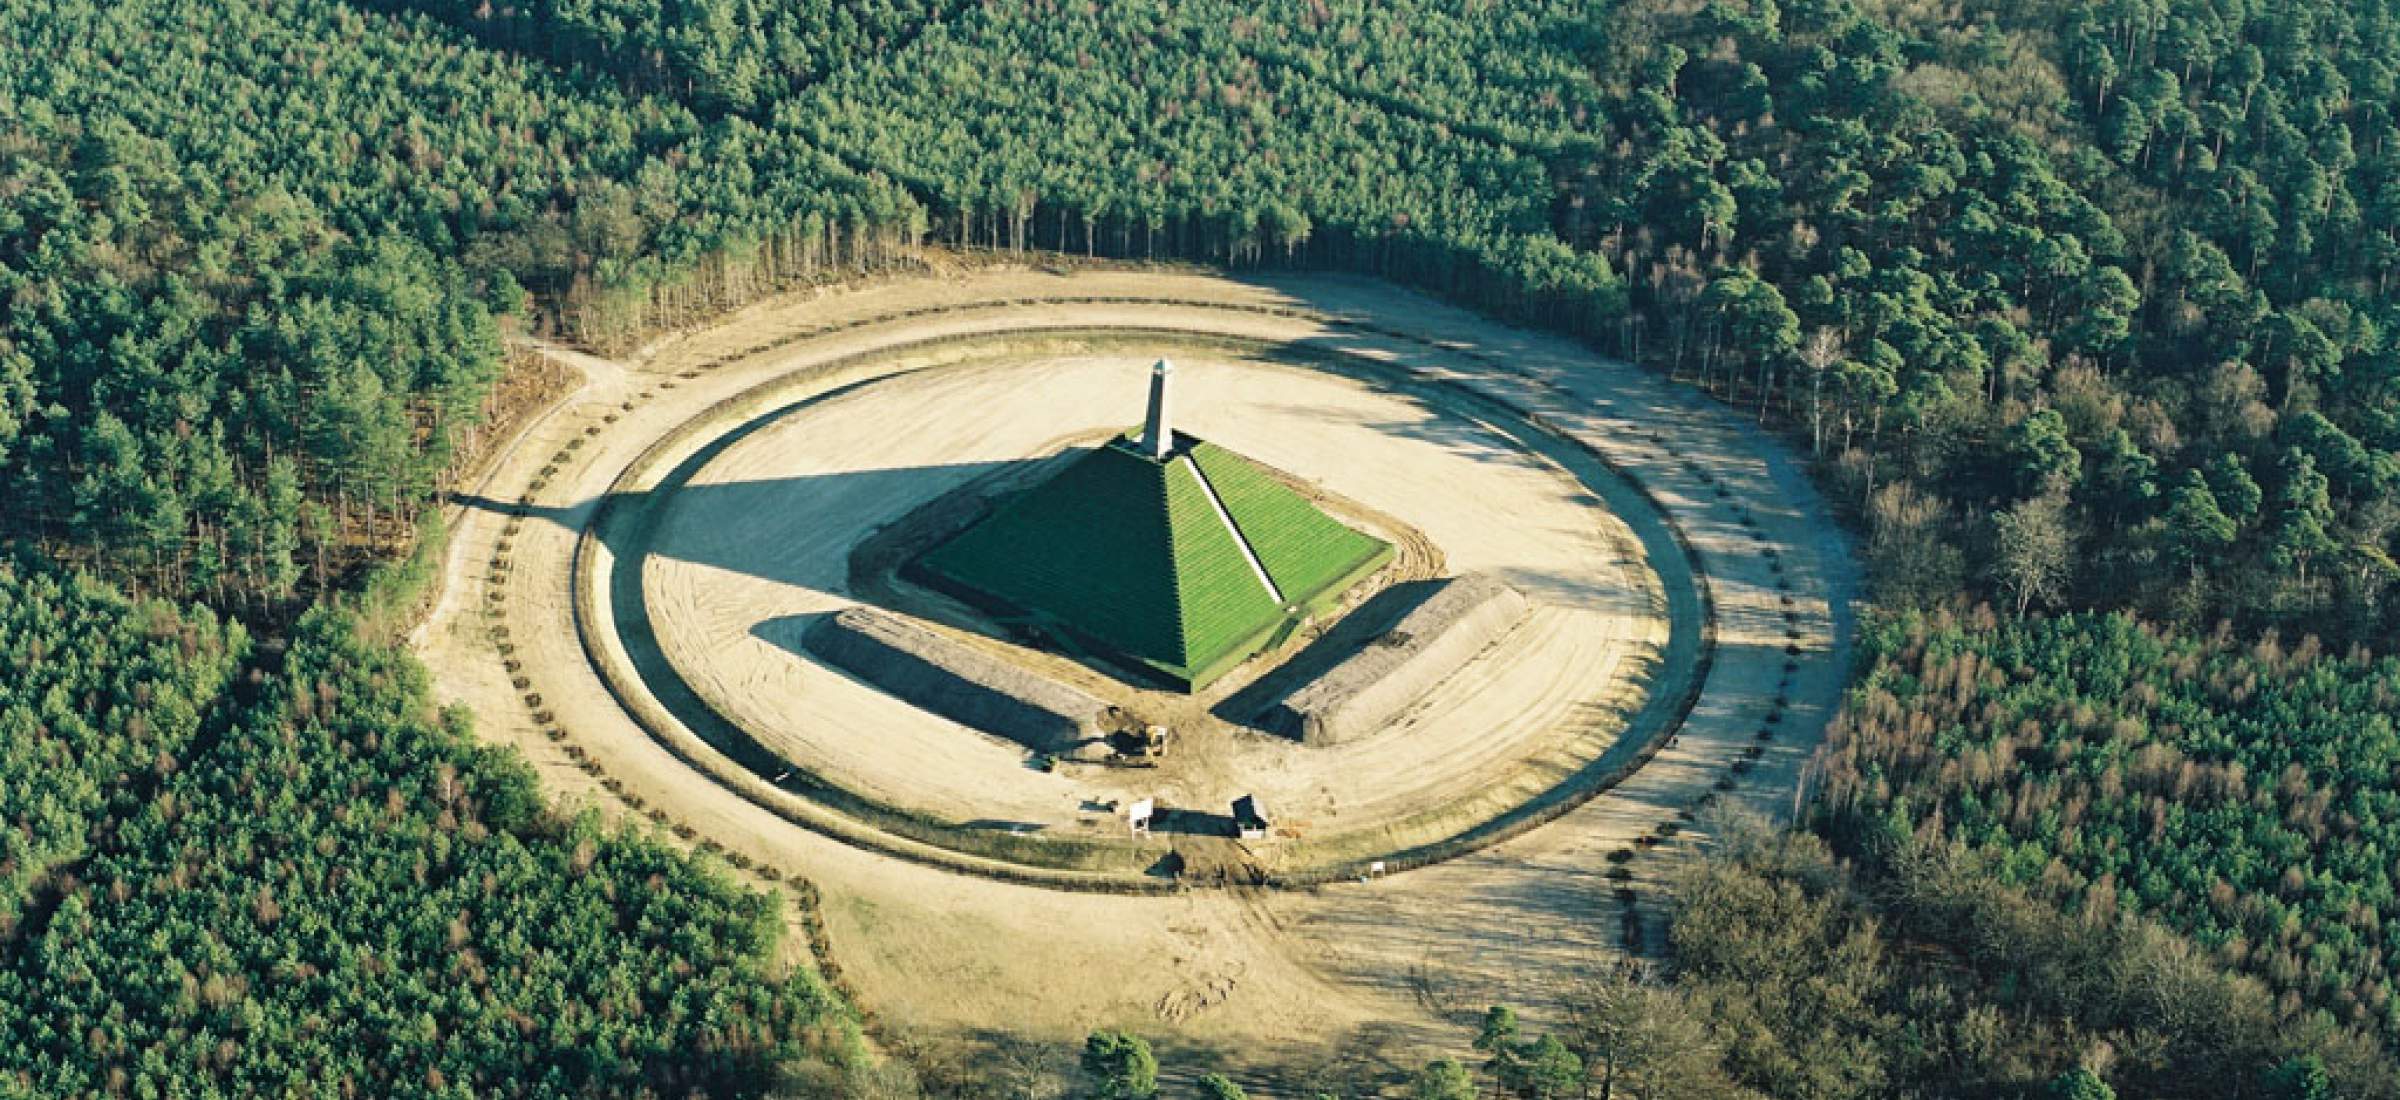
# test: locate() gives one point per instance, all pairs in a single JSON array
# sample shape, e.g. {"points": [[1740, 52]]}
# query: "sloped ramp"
{"points": [[1373, 687], [940, 675]]}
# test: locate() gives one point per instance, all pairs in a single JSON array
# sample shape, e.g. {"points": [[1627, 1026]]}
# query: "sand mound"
{"points": [[932, 672], [1369, 689]]}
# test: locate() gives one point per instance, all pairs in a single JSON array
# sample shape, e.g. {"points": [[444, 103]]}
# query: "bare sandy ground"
{"points": [[1270, 979], [756, 546]]}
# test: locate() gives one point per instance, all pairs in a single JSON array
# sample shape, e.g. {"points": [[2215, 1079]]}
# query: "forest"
{"points": [[305, 882], [103, 690], [240, 356], [2084, 311], [2241, 789]]}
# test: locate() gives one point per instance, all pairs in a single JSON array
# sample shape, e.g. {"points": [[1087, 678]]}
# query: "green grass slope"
{"points": [[1224, 606], [1130, 555], [1307, 552], [1087, 549]]}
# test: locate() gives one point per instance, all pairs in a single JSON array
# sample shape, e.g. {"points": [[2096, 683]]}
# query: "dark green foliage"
{"points": [[1536, 1069], [2044, 456], [100, 704], [249, 258], [2239, 790], [178, 417], [410, 128], [2095, 247], [1498, 1039], [733, 55], [2117, 246], [2091, 300], [2111, 322], [2301, 1078], [2081, 1084], [1544, 1070], [1444, 1079], [2197, 528], [1119, 1066], [339, 892], [204, 315], [1233, 132], [1178, 137]]}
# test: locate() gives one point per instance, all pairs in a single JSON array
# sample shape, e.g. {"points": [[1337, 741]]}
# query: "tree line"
{"points": [[239, 356], [2068, 374]]}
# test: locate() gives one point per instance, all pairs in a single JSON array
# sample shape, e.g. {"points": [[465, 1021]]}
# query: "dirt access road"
{"points": [[1267, 980]]}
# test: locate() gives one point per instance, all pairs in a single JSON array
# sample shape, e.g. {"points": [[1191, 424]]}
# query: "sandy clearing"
{"points": [[756, 545], [950, 954]]}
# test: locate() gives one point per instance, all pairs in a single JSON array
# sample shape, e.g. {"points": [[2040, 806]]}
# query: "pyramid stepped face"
{"points": [[1184, 564]]}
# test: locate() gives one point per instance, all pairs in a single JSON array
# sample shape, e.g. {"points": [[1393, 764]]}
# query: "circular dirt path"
{"points": [[1269, 979], [749, 540]]}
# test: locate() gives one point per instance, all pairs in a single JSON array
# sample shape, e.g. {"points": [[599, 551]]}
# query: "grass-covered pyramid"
{"points": [[1160, 551]]}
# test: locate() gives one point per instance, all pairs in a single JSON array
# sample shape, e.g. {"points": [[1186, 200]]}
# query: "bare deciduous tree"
{"points": [[2032, 550]]}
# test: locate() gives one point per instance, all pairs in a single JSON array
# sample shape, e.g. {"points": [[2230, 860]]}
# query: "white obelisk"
{"points": [[1158, 435]]}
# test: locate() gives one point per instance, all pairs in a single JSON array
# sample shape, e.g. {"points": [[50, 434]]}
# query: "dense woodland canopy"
{"points": [[103, 698], [2241, 789], [725, 55], [2086, 310], [314, 886], [250, 280]]}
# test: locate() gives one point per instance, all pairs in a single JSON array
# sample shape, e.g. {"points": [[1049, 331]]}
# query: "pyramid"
{"points": [[1159, 550]]}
